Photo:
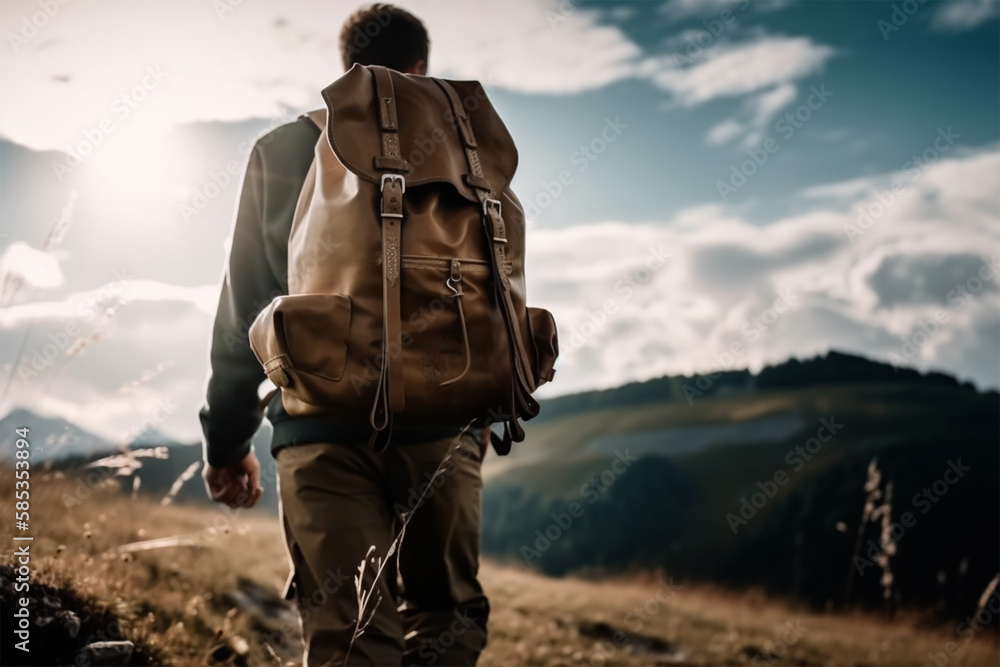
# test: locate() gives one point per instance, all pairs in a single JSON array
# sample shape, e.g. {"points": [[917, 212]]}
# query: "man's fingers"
{"points": [[225, 490], [247, 499], [244, 493], [237, 485], [220, 493], [254, 481]]}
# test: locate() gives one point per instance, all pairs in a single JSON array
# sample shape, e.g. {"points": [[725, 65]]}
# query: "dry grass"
{"points": [[537, 621], [163, 596]]}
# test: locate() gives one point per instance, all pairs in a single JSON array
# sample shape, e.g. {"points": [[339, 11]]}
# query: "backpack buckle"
{"points": [[395, 177], [491, 204], [393, 208], [491, 209]]}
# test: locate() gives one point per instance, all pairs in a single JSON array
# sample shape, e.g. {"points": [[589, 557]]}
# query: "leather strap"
{"points": [[389, 394], [493, 224], [387, 122], [522, 384], [392, 219]]}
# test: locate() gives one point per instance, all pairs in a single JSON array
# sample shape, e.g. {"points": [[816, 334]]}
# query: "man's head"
{"points": [[382, 34]]}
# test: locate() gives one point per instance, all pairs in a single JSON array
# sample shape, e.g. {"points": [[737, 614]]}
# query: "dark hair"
{"points": [[383, 34]]}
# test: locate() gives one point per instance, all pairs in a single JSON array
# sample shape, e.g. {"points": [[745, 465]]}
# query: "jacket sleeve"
{"points": [[229, 416]]}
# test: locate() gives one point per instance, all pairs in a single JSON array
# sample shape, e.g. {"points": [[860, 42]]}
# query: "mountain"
{"points": [[834, 368], [156, 474], [153, 437], [50, 437], [746, 479]]}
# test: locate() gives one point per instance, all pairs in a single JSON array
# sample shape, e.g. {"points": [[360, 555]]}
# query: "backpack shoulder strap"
{"points": [[317, 117]]}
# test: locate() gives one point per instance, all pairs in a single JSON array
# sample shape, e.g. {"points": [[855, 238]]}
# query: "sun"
{"points": [[133, 166]]}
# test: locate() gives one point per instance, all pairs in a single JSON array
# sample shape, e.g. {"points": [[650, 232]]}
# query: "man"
{"points": [[338, 497]]}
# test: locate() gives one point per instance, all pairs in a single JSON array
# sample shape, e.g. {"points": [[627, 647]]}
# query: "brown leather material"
{"points": [[546, 341], [437, 329], [390, 397], [427, 130], [521, 404], [283, 339]]}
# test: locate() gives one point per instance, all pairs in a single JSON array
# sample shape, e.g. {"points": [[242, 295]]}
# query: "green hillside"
{"points": [[700, 462]]}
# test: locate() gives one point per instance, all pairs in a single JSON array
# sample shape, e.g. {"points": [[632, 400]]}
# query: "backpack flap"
{"points": [[430, 147]]}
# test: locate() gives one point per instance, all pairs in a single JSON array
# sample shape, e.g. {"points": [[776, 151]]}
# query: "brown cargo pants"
{"points": [[339, 500]]}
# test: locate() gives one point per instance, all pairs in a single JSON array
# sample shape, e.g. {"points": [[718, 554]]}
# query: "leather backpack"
{"points": [[406, 290]]}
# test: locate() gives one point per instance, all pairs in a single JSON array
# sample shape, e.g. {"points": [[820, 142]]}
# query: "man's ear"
{"points": [[419, 67]]}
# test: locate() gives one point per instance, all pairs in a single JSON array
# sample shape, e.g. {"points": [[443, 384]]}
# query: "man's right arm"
{"points": [[229, 415]]}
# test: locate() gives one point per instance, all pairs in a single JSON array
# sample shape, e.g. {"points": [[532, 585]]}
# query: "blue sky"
{"points": [[669, 97], [888, 99]]}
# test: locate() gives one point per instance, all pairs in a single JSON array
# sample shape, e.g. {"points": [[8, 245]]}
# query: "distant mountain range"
{"points": [[49, 436], [55, 437]]}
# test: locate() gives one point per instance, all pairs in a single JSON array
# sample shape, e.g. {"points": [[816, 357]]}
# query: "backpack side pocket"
{"points": [[301, 341], [545, 338]]}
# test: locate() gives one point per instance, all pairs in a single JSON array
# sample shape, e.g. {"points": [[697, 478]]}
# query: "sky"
{"points": [[709, 184]]}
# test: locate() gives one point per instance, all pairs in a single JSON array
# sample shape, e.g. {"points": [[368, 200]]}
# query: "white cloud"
{"points": [[724, 271], [113, 295], [521, 51], [766, 105], [731, 70], [957, 15], [724, 132], [679, 10], [771, 5], [764, 69], [34, 268], [757, 113], [247, 64], [250, 65], [153, 354], [844, 190]]}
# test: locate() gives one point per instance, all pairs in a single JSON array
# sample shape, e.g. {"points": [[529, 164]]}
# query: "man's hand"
{"points": [[237, 485]]}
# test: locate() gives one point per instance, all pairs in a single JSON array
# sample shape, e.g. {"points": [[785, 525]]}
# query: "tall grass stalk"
{"points": [[179, 482], [873, 491], [364, 597]]}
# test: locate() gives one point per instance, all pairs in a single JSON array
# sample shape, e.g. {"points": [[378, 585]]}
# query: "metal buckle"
{"points": [[489, 203], [402, 186], [393, 177]]}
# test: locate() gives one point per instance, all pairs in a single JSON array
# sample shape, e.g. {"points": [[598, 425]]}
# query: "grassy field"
{"points": [[186, 605]]}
